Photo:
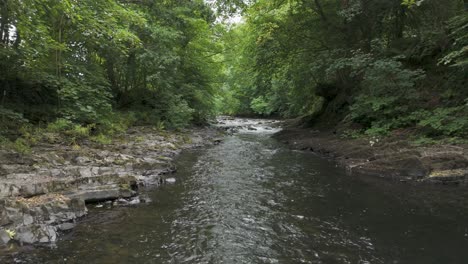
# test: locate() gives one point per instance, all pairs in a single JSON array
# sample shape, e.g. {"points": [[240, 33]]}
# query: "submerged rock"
{"points": [[170, 180]]}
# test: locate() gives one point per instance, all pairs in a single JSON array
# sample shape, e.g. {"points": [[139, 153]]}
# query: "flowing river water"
{"points": [[252, 200]]}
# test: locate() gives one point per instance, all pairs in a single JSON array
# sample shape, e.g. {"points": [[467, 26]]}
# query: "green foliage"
{"points": [[60, 125], [410, 3], [387, 92], [448, 121], [179, 114], [83, 103], [10, 119], [423, 140], [260, 106], [22, 146], [101, 139], [116, 123], [379, 66], [85, 60], [79, 131], [97, 67], [458, 55]]}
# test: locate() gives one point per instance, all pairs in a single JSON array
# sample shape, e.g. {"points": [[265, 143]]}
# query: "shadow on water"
{"points": [[251, 200]]}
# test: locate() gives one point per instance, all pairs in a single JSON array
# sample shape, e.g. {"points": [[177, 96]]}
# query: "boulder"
{"points": [[36, 233]]}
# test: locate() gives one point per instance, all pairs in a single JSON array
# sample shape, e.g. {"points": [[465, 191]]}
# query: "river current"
{"points": [[252, 200]]}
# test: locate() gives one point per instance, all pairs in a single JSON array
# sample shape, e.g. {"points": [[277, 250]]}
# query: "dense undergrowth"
{"points": [[88, 70], [370, 68], [93, 68]]}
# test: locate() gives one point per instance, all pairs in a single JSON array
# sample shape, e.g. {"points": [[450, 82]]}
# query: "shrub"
{"points": [[60, 125], [10, 119], [179, 114], [388, 91], [448, 121], [82, 103], [22, 146], [260, 106], [101, 139]]}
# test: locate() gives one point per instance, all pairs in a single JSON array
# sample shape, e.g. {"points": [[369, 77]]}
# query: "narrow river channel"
{"points": [[252, 200]]}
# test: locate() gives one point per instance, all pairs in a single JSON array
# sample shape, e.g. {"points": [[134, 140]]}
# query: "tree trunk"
{"points": [[4, 25]]}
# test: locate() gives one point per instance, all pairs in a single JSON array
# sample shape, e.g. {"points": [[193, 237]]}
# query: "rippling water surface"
{"points": [[251, 200]]}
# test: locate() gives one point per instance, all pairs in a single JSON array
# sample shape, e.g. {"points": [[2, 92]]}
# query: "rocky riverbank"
{"points": [[391, 158], [45, 192]]}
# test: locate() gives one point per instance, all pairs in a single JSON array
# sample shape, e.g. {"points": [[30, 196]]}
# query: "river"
{"points": [[252, 200]]}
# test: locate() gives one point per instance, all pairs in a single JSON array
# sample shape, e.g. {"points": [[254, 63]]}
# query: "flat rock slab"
{"points": [[390, 158]]}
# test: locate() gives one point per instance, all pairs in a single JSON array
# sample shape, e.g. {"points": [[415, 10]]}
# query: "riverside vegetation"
{"points": [[364, 68], [77, 77]]}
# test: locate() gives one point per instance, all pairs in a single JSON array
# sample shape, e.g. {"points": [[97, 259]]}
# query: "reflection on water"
{"points": [[250, 200]]}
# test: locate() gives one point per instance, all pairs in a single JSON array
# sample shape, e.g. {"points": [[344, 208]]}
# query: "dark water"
{"points": [[250, 200]]}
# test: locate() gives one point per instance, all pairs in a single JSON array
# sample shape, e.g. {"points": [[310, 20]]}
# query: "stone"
{"points": [[36, 233], [98, 195], [4, 237], [170, 180], [4, 220], [81, 160], [51, 233], [66, 226], [27, 219], [134, 201], [32, 189], [120, 201], [78, 207], [144, 198], [86, 173], [445, 161], [14, 214], [24, 234]]}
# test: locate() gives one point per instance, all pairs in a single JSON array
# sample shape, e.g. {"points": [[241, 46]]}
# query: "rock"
{"points": [[299, 217], [406, 168], [4, 219], [36, 233], [144, 198], [86, 173], [48, 192], [4, 237], [217, 141], [66, 226], [49, 234], [170, 180], [135, 201], [445, 161], [81, 160], [447, 176], [120, 201], [33, 189], [14, 214], [78, 207], [24, 234], [27, 219], [96, 195]]}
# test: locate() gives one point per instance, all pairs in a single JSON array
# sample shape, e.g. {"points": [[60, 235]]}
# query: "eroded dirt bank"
{"points": [[392, 158], [45, 192]]}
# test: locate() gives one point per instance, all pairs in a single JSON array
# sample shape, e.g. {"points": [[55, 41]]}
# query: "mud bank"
{"points": [[44, 193], [394, 159]]}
